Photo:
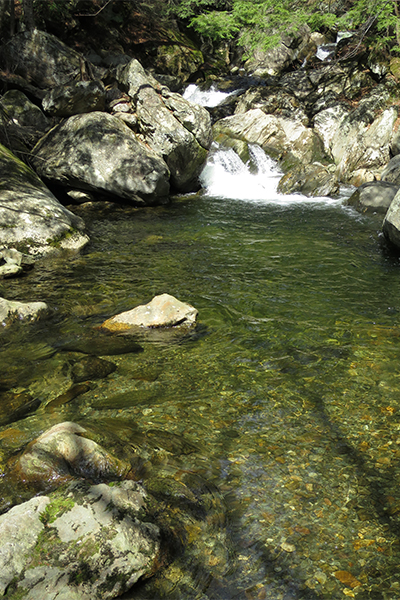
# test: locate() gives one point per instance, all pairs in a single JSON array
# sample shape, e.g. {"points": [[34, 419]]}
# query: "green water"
{"points": [[287, 394]]}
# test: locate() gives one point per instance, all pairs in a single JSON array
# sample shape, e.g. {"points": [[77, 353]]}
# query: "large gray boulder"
{"points": [[82, 542], [374, 196], [99, 153], [75, 98], [40, 58], [176, 129], [274, 60], [391, 222], [358, 141], [30, 215], [391, 173], [22, 119]]}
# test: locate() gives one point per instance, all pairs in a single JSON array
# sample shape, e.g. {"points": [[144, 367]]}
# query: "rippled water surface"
{"points": [[286, 397]]}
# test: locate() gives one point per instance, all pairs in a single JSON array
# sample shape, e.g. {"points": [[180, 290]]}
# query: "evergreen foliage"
{"points": [[260, 23]]}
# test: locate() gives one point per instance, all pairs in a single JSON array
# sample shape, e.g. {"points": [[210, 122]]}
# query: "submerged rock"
{"points": [[63, 452], [103, 345], [162, 311], [16, 406], [91, 367], [82, 542]]}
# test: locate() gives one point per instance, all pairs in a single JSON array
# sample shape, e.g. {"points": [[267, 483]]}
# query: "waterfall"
{"points": [[225, 175], [210, 98]]}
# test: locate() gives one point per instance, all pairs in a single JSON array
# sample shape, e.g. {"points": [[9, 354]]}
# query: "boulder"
{"points": [[41, 58], [359, 141], [273, 101], [22, 119], [82, 542], [391, 173], [180, 59], [63, 452], [75, 98], [338, 80], [162, 311], [391, 222], [273, 61], [14, 263], [360, 145], [327, 122], [99, 153], [176, 129], [313, 180], [11, 310], [375, 196], [30, 216]]}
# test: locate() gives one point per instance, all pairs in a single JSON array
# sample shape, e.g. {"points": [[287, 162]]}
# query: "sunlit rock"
{"points": [[311, 180], [63, 452], [82, 542], [11, 310], [14, 263], [391, 222], [162, 311], [177, 130], [30, 216], [99, 153]]}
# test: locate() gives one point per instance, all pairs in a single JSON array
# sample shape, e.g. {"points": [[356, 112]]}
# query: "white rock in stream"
{"points": [[162, 311]]}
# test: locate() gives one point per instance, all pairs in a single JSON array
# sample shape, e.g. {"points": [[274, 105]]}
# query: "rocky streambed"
{"points": [[103, 489]]}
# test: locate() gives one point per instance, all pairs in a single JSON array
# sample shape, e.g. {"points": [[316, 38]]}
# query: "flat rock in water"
{"points": [[103, 345], [162, 311]]}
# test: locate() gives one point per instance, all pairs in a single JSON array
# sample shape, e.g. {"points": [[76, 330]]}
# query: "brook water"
{"points": [[287, 394]]}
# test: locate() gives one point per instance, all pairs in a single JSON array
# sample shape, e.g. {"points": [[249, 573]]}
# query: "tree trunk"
{"points": [[3, 6], [12, 17], [28, 14]]}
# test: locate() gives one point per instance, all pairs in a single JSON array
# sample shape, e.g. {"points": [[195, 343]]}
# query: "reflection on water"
{"points": [[285, 401]]}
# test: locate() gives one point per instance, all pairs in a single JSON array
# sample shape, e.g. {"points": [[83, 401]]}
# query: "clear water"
{"points": [[288, 391]]}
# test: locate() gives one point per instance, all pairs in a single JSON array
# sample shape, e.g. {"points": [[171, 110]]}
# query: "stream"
{"points": [[285, 398]]}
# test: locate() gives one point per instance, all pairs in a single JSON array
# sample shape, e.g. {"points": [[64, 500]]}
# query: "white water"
{"points": [[210, 98], [226, 176]]}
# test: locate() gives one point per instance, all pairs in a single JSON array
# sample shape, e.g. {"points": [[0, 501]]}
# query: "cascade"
{"points": [[225, 175]]}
